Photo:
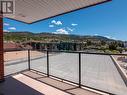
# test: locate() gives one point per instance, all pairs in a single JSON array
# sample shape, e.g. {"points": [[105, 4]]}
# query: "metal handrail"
{"points": [[79, 66], [84, 52]]}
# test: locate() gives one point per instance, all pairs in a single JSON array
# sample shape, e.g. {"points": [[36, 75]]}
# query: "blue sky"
{"points": [[109, 20]]}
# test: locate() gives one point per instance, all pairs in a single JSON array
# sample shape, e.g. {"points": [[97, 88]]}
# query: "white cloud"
{"points": [[70, 29], [74, 24], [51, 25], [6, 31], [61, 31], [114, 38], [96, 34], [59, 23], [53, 21], [109, 37], [12, 28], [56, 22], [6, 24]]}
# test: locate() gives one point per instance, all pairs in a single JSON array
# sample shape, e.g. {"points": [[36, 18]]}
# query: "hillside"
{"points": [[87, 42], [25, 36]]}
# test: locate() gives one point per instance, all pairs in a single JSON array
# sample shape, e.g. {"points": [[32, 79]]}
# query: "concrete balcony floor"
{"points": [[33, 83]]}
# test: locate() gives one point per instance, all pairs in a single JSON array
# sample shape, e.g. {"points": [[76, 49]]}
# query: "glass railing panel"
{"points": [[64, 66], [100, 72], [38, 61], [15, 61]]}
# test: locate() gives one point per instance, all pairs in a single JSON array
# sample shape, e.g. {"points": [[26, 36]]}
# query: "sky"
{"points": [[108, 20]]}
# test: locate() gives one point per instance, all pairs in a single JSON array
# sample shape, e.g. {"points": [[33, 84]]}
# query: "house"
{"points": [[125, 44], [11, 46]]}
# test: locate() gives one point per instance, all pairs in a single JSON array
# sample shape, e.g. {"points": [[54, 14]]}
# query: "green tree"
{"points": [[113, 46], [103, 42], [89, 43]]}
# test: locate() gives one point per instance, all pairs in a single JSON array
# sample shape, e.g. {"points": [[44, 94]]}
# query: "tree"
{"points": [[113, 46], [89, 42], [103, 42]]}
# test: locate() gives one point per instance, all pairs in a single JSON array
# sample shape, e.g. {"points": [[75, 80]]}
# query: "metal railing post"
{"points": [[47, 63], [79, 69], [28, 59]]}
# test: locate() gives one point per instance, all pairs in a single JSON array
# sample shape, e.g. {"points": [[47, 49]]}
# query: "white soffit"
{"points": [[30, 11]]}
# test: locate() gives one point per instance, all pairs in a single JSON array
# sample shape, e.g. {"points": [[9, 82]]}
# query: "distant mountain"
{"points": [[22, 36]]}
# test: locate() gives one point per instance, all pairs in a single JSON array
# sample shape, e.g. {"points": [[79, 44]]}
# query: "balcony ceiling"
{"points": [[30, 11]]}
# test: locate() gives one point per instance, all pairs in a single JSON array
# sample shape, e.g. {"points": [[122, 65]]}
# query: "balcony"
{"points": [[75, 73], [34, 72]]}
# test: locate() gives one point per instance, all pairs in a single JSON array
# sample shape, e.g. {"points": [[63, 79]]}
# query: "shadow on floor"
{"points": [[66, 87], [13, 87]]}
